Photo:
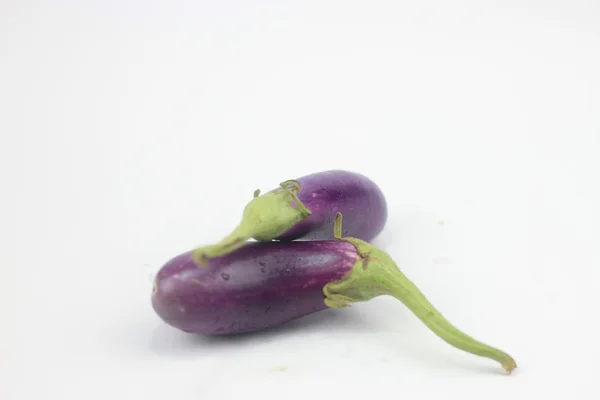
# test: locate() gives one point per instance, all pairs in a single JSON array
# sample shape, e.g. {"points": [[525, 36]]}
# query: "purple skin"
{"points": [[358, 198], [257, 286]]}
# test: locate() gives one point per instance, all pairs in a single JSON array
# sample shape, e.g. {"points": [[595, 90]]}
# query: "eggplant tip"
{"points": [[154, 287]]}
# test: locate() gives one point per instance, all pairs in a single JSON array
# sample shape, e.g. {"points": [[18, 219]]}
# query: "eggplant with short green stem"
{"points": [[304, 209], [263, 285]]}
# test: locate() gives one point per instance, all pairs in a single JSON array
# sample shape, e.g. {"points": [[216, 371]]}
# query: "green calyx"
{"points": [[264, 218], [376, 274]]}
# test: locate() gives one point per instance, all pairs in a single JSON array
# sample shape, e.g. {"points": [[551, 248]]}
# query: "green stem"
{"points": [[406, 291], [264, 218], [293, 192], [376, 274], [228, 244]]}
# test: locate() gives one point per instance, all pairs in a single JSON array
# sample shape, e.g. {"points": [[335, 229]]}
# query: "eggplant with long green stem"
{"points": [[263, 285], [304, 209]]}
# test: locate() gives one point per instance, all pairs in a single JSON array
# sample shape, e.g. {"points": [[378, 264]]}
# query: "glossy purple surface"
{"points": [[359, 199], [258, 286]]}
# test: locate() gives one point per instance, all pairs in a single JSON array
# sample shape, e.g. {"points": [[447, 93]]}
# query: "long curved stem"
{"points": [[376, 274], [404, 290]]}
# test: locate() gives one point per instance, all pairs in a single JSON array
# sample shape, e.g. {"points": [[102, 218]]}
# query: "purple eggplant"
{"points": [[263, 285], [304, 209]]}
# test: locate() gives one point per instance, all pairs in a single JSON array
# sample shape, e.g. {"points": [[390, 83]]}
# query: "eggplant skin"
{"points": [[257, 286], [326, 193]]}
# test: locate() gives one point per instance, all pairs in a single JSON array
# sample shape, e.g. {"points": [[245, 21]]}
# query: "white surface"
{"points": [[132, 130]]}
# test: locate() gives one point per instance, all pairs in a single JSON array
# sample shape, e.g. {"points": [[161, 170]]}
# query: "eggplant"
{"points": [[263, 285], [304, 209]]}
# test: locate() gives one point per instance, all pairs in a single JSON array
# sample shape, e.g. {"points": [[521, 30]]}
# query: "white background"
{"points": [[134, 130]]}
